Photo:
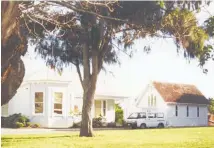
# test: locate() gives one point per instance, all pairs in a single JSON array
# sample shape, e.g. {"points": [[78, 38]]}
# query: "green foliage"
{"points": [[118, 114], [182, 24], [28, 124], [111, 124], [19, 124], [35, 125], [211, 106], [97, 122], [10, 122], [209, 26], [76, 125]]}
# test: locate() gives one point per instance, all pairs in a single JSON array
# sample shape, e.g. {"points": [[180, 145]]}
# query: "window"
{"points": [[154, 100], [160, 115], [38, 102], [187, 111], [151, 115], [104, 108], [58, 102], [149, 103], [197, 111], [176, 110], [133, 116], [142, 115]]}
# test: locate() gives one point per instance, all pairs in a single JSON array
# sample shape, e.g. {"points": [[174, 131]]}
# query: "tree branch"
{"points": [[79, 72], [86, 11]]}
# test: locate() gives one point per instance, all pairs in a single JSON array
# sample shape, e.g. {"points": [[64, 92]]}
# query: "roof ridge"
{"points": [[175, 83]]}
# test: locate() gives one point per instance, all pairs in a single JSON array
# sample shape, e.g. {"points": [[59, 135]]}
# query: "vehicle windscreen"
{"points": [[133, 116]]}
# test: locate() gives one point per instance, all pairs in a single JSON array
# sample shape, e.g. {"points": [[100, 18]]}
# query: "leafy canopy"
{"points": [[113, 28]]}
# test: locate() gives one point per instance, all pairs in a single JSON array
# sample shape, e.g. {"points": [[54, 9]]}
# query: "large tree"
{"points": [[96, 38]]}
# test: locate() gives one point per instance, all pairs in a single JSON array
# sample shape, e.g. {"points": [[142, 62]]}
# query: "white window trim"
{"points": [[44, 96], [61, 90], [53, 102]]}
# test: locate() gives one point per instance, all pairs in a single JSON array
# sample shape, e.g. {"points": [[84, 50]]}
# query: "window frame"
{"points": [[34, 103], [150, 117], [187, 113], [152, 100], [149, 101], [58, 91], [155, 101], [198, 111], [176, 110], [142, 117], [104, 109]]}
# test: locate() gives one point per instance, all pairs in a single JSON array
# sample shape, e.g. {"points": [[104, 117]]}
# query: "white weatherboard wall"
{"points": [[23, 102], [192, 119], [143, 99]]}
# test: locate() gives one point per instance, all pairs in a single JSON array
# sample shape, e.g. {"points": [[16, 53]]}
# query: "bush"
{"points": [[76, 125], [118, 114], [28, 124], [35, 125], [112, 124], [19, 124], [97, 122], [10, 122], [23, 119]]}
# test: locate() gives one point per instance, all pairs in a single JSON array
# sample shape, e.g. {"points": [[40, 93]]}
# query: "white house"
{"points": [[51, 103], [182, 104]]}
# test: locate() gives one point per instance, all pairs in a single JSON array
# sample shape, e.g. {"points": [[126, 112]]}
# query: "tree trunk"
{"points": [[14, 44], [88, 99]]}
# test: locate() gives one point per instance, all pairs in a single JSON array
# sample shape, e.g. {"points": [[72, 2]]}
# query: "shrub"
{"points": [[23, 119], [35, 125], [3, 121], [125, 124], [76, 125], [97, 122], [111, 124], [28, 124], [118, 114], [10, 122], [19, 124]]}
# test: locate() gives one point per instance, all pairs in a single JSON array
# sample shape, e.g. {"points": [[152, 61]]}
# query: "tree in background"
{"points": [[118, 114], [211, 106]]}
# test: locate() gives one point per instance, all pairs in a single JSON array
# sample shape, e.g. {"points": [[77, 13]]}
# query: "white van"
{"points": [[146, 119]]}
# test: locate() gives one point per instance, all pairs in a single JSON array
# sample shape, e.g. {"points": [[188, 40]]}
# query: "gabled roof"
{"points": [[180, 93]]}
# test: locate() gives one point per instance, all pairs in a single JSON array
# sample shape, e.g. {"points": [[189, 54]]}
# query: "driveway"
{"points": [[9, 131]]}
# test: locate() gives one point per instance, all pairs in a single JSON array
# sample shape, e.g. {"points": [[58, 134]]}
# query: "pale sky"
{"points": [[162, 64]]}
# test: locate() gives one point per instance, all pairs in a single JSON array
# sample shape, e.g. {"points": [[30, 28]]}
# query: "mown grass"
{"points": [[149, 138]]}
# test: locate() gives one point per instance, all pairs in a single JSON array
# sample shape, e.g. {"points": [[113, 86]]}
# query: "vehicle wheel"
{"points": [[143, 126], [160, 125]]}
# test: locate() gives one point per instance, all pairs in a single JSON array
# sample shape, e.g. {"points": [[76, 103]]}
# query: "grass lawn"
{"points": [[149, 138]]}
